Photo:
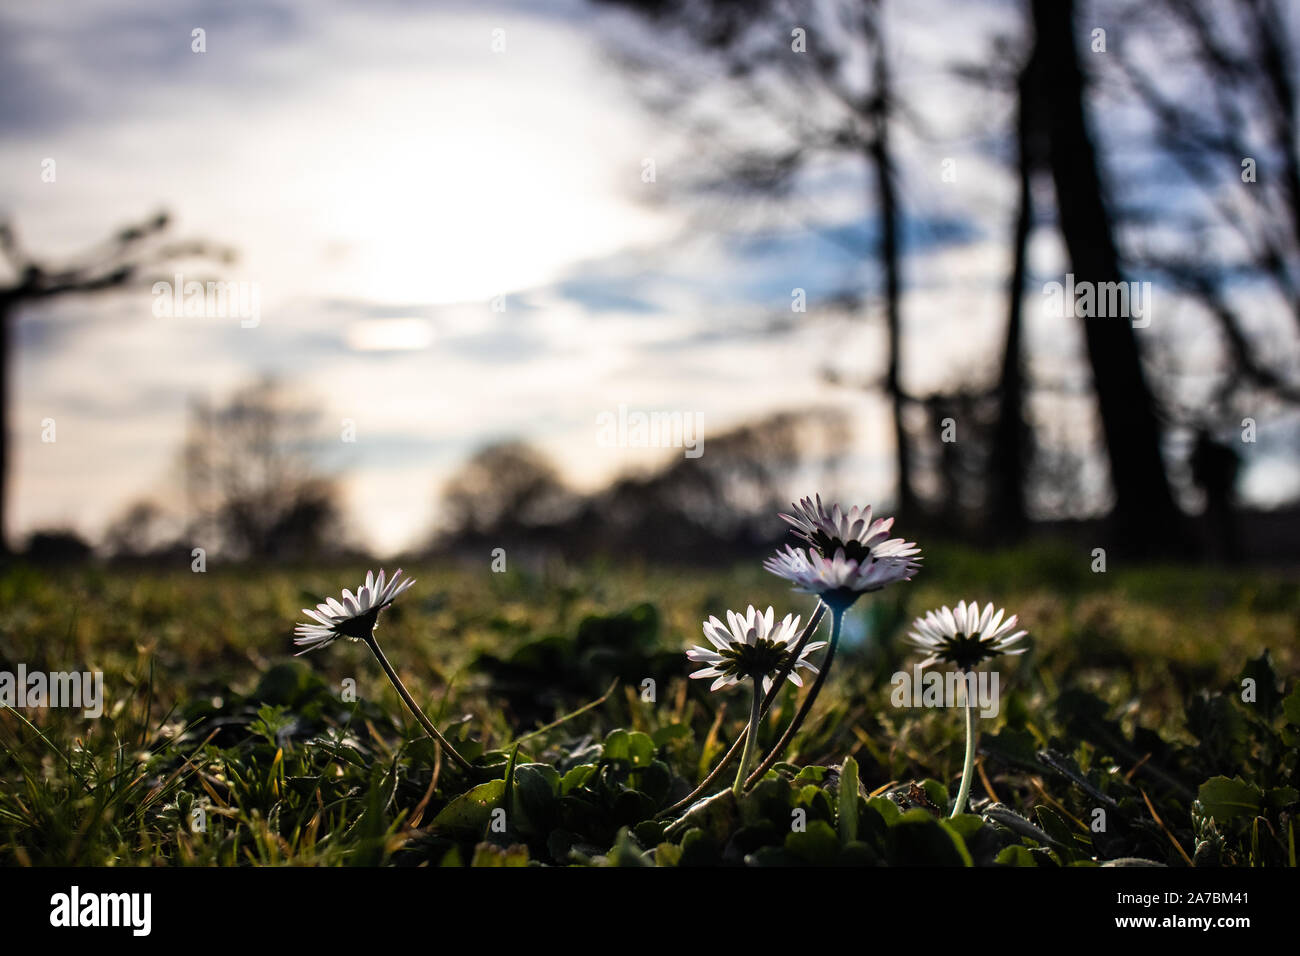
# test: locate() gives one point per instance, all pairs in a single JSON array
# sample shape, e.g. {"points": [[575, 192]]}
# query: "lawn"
{"points": [[1156, 717]]}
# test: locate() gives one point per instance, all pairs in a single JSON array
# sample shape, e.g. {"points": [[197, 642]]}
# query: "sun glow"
{"points": [[439, 203], [389, 335]]}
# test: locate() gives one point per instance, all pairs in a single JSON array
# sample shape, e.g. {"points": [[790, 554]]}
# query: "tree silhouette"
{"points": [[504, 488], [254, 487], [1236, 152], [121, 262], [1144, 503], [831, 98], [704, 510]]}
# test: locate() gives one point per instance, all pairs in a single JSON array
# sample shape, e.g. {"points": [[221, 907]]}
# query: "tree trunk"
{"points": [[905, 508], [1144, 512], [1009, 457], [8, 315]]}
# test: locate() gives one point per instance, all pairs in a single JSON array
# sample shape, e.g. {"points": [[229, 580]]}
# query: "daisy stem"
{"points": [[809, 629], [837, 616], [414, 708], [751, 736], [968, 768]]}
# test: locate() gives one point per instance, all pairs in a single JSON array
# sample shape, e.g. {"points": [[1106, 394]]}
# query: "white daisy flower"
{"points": [[752, 646], [353, 616], [965, 637], [840, 580], [853, 531]]}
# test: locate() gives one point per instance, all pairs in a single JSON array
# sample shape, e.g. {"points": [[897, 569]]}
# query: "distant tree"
{"points": [[56, 546], [254, 486], [1214, 466], [505, 486], [700, 510], [124, 261], [1236, 153], [142, 529], [1011, 440], [1218, 82], [958, 484], [729, 497], [805, 85]]}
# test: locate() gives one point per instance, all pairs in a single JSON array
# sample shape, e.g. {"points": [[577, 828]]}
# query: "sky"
{"points": [[444, 213]]}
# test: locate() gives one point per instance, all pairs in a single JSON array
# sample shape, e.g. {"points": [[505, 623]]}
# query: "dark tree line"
{"points": [[253, 486], [790, 107], [705, 510]]}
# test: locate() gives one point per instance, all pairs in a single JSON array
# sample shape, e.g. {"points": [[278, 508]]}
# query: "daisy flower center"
{"points": [[758, 660], [359, 627], [965, 650], [854, 550]]}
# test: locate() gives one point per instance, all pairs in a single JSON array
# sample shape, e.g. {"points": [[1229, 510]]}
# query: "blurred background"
{"points": [[623, 277]]}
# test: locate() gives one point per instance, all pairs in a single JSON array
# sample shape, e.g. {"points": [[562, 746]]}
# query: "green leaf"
{"points": [[1006, 817], [1056, 827], [1044, 856], [772, 856], [640, 749], [857, 853], [488, 854], [633, 748], [671, 734], [471, 811], [966, 824], [508, 799], [918, 839], [635, 628], [543, 772], [1220, 725], [1266, 695], [818, 844], [769, 800], [626, 852], [698, 849], [649, 832], [1280, 797], [616, 747], [559, 843], [1011, 746], [936, 791], [715, 816], [1015, 855], [667, 854], [631, 806], [817, 802], [887, 809], [958, 840], [576, 777], [654, 780], [1291, 706], [871, 825], [810, 775], [847, 801], [1226, 799], [452, 858], [536, 787]]}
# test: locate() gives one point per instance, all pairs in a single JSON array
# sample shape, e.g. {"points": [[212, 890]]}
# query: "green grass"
{"points": [[1132, 688]]}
